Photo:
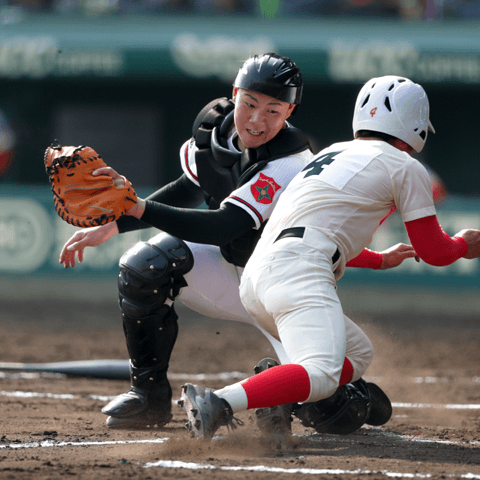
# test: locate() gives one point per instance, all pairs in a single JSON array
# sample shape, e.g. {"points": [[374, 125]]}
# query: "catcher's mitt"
{"points": [[80, 198]]}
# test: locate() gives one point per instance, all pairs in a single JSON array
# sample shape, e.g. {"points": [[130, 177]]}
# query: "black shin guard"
{"points": [[151, 276], [150, 342]]}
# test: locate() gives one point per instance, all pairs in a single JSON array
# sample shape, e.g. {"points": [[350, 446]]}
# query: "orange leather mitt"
{"points": [[80, 198]]}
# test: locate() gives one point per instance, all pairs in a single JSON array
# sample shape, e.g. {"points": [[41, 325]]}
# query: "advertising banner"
{"points": [[32, 236], [165, 48]]}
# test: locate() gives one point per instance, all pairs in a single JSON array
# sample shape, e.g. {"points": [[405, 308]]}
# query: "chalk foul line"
{"points": [[306, 471], [176, 464], [54, 443]]}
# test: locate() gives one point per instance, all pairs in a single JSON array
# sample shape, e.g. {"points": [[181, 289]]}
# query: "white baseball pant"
{"points": [[290, 290], [213, 290]]}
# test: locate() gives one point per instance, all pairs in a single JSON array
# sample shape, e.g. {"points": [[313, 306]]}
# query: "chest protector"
{"points": [[221, 171]]}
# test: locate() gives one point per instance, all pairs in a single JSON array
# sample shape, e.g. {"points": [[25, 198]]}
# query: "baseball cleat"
{"points": [[138, 408], [206, 411], [350, 407], [380, 410], [277, 420], [341, 414], [273, 421]]}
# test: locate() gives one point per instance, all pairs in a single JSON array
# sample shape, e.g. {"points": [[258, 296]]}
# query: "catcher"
{"points": [[82, 195]]}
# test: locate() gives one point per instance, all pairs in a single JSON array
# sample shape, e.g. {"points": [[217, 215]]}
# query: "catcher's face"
{"points": [[258, 117]]}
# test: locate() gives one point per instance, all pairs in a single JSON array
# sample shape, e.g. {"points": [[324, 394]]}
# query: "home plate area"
{"points": [[52, 425]]}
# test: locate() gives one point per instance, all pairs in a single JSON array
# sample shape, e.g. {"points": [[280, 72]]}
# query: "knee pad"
{"points": [[151, 273]]}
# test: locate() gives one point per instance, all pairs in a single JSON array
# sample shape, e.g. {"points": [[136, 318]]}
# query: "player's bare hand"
{"points": [[87, 237], [118, 179], [472, 238], [394, 256]]}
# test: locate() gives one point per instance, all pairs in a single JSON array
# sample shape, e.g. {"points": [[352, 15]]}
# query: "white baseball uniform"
{"points": [[289, 285], [213, 283]]}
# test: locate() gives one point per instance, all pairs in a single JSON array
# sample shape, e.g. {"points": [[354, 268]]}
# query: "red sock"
{"points": [[277, 386], [284, 384], [347, 372]]}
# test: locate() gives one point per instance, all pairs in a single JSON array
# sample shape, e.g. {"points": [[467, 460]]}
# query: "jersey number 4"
{"points": [[316, 167]]}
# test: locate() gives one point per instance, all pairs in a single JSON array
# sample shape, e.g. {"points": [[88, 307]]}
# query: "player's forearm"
{"points": [[366, 259], [179, 193], [212, 227], [432, 244]]}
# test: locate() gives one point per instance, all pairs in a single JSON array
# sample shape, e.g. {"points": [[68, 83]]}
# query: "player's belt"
{"points": [[299, 232]]}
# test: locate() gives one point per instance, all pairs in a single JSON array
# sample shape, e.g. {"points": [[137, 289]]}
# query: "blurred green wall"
{"points": [[131, 87]]}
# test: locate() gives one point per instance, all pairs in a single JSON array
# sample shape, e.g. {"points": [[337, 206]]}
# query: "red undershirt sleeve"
{"points": [[432, 244], [366, 259]]}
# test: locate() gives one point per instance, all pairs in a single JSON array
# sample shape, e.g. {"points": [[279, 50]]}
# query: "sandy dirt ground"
{"points": [[52, 427]]}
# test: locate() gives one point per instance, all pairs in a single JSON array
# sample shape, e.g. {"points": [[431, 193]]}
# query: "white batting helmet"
{"points": [[396, 106]]}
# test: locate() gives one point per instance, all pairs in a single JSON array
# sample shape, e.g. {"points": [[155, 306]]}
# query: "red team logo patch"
{"points": [[264, 189]]}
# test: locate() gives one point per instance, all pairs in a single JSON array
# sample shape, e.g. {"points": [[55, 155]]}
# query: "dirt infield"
{"points": [[52, 426]]}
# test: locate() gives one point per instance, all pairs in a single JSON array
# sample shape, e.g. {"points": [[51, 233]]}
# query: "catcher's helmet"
{"points": [[272, 75], [396, 106]]}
